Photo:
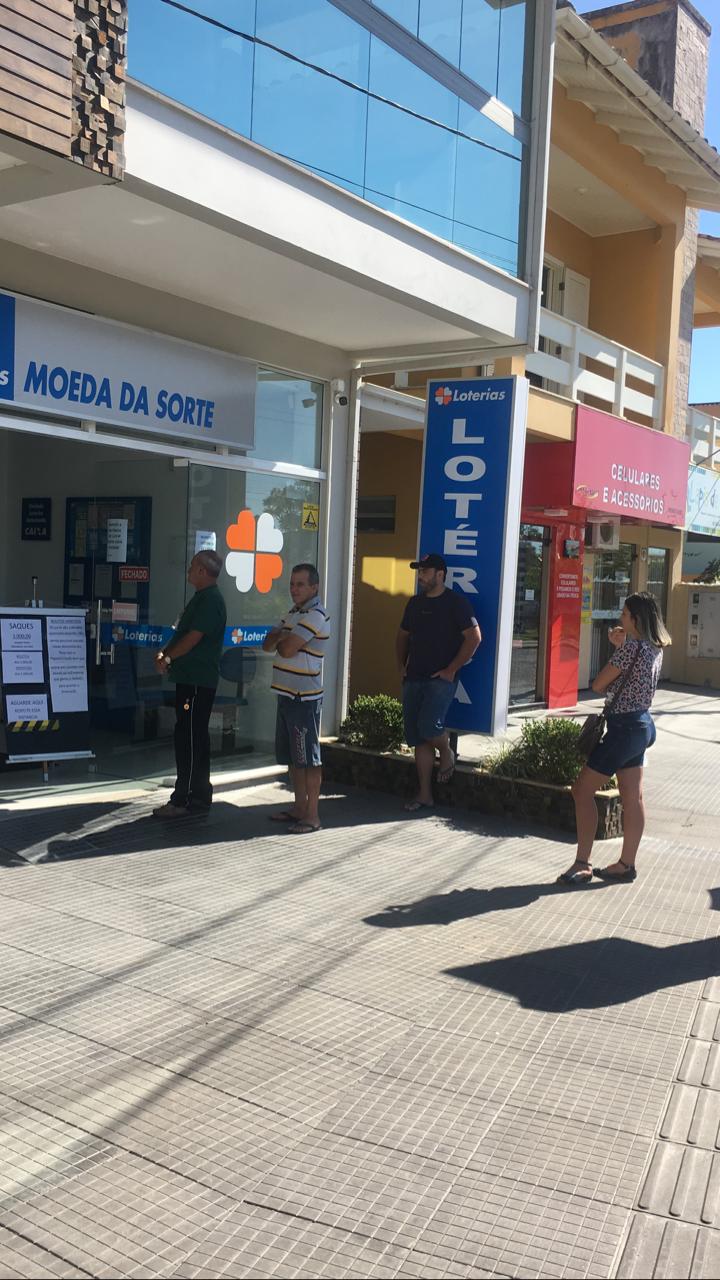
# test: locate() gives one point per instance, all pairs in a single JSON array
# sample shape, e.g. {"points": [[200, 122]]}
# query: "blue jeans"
{"points": [[425, 706], [627, 738]]}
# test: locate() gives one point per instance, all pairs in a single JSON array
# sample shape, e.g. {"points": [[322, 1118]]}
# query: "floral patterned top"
{"points": [[640, 688]]}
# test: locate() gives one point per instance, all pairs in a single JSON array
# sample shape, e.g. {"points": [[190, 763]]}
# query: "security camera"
{"points": [[338, 389]]}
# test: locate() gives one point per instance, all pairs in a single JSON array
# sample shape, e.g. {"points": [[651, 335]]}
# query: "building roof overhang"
{"points": [[593, 73]]}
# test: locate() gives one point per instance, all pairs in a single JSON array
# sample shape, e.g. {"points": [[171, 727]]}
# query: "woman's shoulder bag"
{"points": [[593, 726]]}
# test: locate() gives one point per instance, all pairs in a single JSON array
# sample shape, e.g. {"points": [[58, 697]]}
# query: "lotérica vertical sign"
{"points": [[470, 513]]}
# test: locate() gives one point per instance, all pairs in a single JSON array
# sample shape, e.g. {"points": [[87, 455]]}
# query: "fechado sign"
{"points": [[52, 358]]}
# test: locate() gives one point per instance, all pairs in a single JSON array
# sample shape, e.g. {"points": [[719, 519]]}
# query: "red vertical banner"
{"points": [[563, 617]]}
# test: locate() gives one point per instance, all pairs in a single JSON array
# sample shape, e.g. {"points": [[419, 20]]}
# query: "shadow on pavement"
{"points": [[459, 904], [607, 971]]}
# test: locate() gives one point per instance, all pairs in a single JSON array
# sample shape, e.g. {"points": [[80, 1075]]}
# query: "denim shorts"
{"points": [[425, 706], [627, 738], [297, 732]]}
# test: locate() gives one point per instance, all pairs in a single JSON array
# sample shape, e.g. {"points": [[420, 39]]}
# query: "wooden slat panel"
{"points": [[54, 20], [50, 80], [29, 132], [39, 36], [54, 103], [13, 42], [35, 115]]}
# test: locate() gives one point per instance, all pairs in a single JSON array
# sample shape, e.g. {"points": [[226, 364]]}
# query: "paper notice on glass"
{"points": [[117, 537], [66, 635], [67, 660], [25, 667], [20, 634], [22, 707], [205, 540]]}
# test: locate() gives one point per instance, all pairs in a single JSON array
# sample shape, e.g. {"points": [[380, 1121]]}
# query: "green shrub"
{"points": [[375, 722], [545, 752]]}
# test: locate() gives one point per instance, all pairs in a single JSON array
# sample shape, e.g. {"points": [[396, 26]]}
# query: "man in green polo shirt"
{"points": [[192, 659]]}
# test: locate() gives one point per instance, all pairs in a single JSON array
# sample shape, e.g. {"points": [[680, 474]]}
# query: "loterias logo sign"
{"points": [[52, 358], [468, 395]]}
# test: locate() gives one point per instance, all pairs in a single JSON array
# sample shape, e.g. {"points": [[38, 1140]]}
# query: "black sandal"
{"points": [[625, 877], [574, 878]]}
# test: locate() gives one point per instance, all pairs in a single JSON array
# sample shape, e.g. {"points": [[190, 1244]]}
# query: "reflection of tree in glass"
{"points": [[286, 504]]}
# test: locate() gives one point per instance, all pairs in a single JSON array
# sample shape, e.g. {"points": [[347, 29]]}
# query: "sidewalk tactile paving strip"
{"points": [[706, 1023], [701, 1064], [571, 1156], [693, 1116], [660, 1249], [523, 1230], [683, 1182]]}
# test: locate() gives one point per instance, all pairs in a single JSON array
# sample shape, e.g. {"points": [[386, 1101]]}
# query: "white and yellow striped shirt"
{"points": [[302, 675]]}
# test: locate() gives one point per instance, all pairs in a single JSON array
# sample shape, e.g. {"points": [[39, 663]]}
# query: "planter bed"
{"points": [[470, 788]]}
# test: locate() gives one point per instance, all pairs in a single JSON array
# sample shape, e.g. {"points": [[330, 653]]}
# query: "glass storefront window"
{"points": [[612, 579], [310, 83], [528, 615], [658, 575], [168, 510], [265, 519], [288, 418]]}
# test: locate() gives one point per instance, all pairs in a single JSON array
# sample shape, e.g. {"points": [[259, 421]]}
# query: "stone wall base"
{"points": [[470, 789]]}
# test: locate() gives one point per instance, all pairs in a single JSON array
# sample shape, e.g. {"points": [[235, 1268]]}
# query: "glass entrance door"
{"points": [[611, 584], [528, 615], [125, 563]]}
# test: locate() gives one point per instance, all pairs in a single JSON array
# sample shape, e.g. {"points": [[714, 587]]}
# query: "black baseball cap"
{"points": [[431, 561]]}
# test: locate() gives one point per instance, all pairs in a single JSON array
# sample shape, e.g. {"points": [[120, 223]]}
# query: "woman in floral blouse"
{"points": [[638, 641]]}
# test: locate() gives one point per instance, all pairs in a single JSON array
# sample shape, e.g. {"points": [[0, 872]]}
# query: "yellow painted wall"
{"points": [[389, 465], [626, 290], [567, 242]]}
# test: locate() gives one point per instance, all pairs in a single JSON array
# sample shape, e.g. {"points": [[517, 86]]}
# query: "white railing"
{"points": [[580, 364], [703, 435]]}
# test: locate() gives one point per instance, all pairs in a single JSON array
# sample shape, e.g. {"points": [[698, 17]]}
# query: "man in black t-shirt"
{"points": [[437, 636]]}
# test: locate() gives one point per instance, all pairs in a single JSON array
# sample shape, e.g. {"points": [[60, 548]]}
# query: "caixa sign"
{"points": [[470, 514], [52, 358]]}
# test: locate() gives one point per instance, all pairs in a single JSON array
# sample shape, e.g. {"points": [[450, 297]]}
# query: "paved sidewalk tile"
{"points": [[400, 1050]]}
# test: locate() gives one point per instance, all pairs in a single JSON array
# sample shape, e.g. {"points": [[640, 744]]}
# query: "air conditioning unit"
{"points": [[603, 537]]}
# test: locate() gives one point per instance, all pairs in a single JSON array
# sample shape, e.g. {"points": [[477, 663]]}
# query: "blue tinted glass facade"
{"points": [[312, 84]]}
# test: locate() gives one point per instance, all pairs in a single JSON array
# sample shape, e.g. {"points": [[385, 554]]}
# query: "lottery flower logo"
{"points": [[443, 395], [254, 558]]}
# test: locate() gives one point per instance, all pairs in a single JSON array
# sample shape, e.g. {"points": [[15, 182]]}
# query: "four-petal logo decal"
{"points": [[255, 548]]}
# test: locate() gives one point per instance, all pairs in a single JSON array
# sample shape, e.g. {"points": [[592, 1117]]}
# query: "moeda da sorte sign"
{"points": [[66, 362]]}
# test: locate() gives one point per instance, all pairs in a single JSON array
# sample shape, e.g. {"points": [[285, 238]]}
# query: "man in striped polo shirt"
{"points": [[298, 643]]}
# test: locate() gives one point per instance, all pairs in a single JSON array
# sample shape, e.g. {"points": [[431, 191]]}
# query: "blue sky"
{"points": [[705, 368]]}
